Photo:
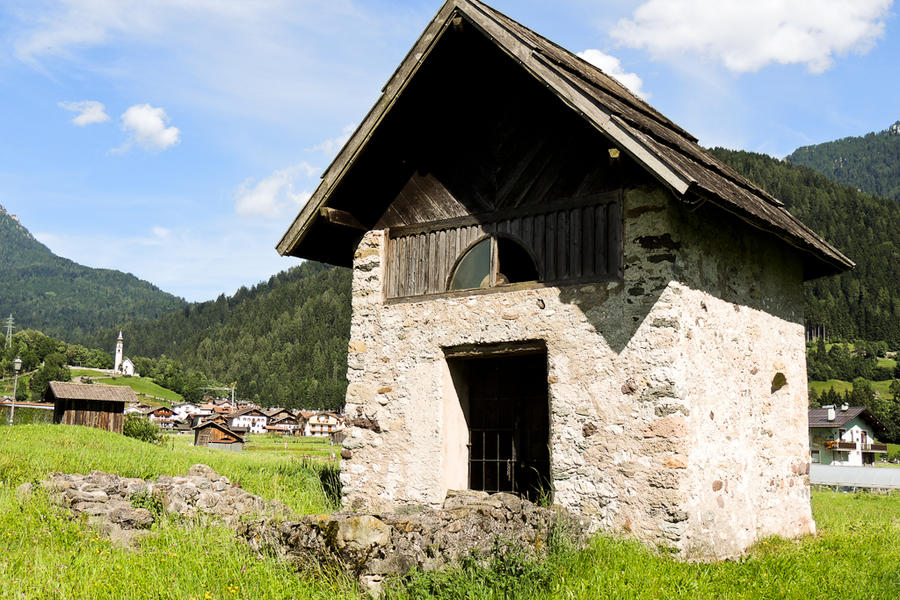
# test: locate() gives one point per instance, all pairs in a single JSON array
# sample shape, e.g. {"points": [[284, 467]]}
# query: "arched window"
{"points": [[493, 261]]}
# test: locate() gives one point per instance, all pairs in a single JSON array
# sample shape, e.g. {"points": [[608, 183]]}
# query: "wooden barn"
{"points": [[90, 405], [216, 435]]}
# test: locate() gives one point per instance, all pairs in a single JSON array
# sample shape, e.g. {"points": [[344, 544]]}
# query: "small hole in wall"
{"points": [[778, 382]]}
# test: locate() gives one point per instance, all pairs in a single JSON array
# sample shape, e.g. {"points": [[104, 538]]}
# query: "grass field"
{"points": [[144, 387], [46, 554], [840, 386], [890, 363], [275, 446]]}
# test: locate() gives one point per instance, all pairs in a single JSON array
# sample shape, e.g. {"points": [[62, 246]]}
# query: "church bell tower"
{"points": [[119, 346]]}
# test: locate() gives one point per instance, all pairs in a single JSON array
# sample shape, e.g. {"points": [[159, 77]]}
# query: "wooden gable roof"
{"points": [[229, 436], [61, 390], [663, 148]]}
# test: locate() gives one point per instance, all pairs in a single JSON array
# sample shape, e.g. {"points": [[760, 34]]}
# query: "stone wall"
{"points": [[369, 547], [664, 419]]}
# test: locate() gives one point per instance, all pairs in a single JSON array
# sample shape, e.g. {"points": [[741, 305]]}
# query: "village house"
{"points": [[184, 410], [285, 425], [558, 293], [277, 413], [322, 424], [844, 436], [90, 405], [253, 420], [161, 415]]}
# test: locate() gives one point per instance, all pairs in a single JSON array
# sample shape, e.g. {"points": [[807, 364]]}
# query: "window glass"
{"points": [[474, 270]]}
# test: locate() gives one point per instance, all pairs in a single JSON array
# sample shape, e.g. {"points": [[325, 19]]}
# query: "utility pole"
{"points": [[9, 330], [233, 386]]}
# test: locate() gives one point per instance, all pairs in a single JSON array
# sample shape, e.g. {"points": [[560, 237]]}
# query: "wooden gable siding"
{"points": [[574, 244], [214, 435], [109, 416]]}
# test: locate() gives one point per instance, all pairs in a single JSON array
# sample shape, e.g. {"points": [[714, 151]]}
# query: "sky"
{"points": [[177, 139]]}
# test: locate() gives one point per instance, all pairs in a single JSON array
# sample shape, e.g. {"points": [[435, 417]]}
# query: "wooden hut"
{"points": [[90, 405], [216, 435]]}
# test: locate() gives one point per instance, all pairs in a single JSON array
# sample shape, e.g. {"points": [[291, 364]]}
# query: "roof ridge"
{"points": [[630, 97]]}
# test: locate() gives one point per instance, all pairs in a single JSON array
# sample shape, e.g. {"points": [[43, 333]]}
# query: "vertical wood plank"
{"points": [[441, 264], [539, 246], [587, 251], [433, 268], [526, 231], [388, 267], [450, 242], [575, 243], [601, 242], [396, 251], [550, 233], [404, 266], [562, 245]]}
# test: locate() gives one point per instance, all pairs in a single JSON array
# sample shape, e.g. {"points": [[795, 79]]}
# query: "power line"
{"points": [[9, 329]]}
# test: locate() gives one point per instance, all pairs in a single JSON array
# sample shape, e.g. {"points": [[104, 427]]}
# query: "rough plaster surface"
{"points": [[664, 420]]}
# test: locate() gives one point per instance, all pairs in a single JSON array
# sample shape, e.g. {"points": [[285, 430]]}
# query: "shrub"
{"points": [[142, 428]]}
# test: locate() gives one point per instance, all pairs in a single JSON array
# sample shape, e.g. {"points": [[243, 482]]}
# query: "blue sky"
{"points": [[176, 140]]}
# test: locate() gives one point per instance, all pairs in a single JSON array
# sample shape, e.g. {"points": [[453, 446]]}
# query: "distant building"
{"points": [[184, 410], [844, 436], [216, 435], [122, 364], [253, 419], [323, 424], [90, 405], [285, 425], [161, 415]]}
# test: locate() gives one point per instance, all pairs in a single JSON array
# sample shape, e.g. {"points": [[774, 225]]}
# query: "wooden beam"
{"points": [[341, 218]]}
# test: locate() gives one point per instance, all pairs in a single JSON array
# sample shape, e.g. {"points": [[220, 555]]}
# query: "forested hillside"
{"points": [[870, 163], [864, 303], [284, 341], [64, 299]]}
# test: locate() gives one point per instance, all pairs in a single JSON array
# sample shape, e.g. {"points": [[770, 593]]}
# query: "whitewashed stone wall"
{"points": [[664, 422]]}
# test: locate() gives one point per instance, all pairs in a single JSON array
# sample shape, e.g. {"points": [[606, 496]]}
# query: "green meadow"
{"points": [[44, 553], [144, 387]]}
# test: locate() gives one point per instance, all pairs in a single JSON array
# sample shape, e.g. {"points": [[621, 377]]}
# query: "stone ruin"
{"points": [[369, 547]]}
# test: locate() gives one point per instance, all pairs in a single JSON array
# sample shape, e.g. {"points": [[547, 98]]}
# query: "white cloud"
{"points": [[274, 196], [746, 36], [262, 59], [612, 66], [161, 232], [330, 147], [146, 127], [90, 111]]}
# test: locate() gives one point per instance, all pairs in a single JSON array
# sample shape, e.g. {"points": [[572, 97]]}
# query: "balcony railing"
{"points": [[840, 446], [850, 446], [873, 447]]}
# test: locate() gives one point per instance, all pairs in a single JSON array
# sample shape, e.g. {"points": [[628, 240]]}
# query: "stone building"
{"points": [[557, 292]]}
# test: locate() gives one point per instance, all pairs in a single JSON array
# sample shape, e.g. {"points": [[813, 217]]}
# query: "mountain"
{"points": [[863, 303], [64, 299], [870, 163], [284, 342]]}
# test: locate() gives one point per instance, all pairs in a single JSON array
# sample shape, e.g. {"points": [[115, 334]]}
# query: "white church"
{"points": [[122, 364]]}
